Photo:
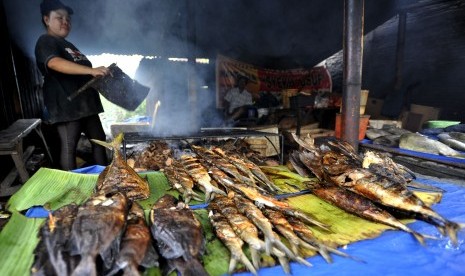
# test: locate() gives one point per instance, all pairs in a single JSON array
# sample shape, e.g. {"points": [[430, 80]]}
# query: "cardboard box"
{"points": [[266, 145], [428, 113]]}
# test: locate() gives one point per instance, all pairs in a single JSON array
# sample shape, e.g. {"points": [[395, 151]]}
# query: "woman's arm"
{"points": [[67, 67]]}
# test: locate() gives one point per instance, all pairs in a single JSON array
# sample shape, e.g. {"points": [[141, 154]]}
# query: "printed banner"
{"points": [[316, 79]]}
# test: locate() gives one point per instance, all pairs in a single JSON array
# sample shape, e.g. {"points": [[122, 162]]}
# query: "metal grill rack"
{"points": [[210, 133]]}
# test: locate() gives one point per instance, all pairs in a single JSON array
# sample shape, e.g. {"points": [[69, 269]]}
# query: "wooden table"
{"points": [[11, 143]]}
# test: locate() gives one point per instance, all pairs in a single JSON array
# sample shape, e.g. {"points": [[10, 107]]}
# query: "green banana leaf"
{"points": [[55, 188]]}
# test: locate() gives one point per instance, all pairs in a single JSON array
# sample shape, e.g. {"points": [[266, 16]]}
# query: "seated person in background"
{"points": [[238, 100]]}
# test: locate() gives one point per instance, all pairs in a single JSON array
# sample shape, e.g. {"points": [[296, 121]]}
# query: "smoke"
{"points": [[290, 33]]}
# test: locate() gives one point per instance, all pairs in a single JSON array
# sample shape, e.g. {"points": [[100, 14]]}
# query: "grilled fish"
{"points": [[255, 215], [285, 228], [53, 253], [359, 205], [246, 230], [97, 229], [229, 238], [344, 169], [136, 245], [181, 181], [195, 169], [222, 163], [119, 176], [250, 169], [178, 234]]}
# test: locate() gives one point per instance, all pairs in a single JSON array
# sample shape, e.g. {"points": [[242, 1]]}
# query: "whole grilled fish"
{"points": [[97, 229], [421, 143], [198, 172], [230, 239], [178, 234], [359, 205], [53, 253], [136, 245], [119, 176]]}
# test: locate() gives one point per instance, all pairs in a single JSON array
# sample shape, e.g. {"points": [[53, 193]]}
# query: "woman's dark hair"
{"points": [[42, 18]]}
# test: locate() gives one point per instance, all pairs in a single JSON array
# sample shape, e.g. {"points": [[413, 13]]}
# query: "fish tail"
{"points": [[268, 245], [303, 261], [86, 267], [420, 238], [255, 257], [451, 230], [325, 254], [114, 145], [342, 254], [284, 264], [245, 261]]}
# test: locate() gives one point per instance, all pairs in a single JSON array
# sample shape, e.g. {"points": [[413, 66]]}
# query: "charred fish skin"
{"points": [[54, 250], [136, 244], [178, 235], [119, 176], [98, 226], [228, 237], [385, 166]]}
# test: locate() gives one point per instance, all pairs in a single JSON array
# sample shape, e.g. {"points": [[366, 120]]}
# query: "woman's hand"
{"points": [[100, 71]]}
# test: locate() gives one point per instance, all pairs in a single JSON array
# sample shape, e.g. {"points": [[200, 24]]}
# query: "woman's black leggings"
{"points": [[69, 134]]}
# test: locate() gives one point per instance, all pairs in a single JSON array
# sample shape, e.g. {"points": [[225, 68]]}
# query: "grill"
{"points": [[207, 133]]}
